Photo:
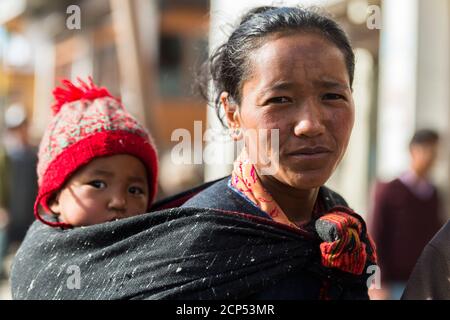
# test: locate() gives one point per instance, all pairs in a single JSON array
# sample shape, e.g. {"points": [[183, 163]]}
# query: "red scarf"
{"points": [[346, 251]]}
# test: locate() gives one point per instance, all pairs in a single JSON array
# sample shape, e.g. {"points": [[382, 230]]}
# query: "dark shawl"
{"points": [[178, 253]]}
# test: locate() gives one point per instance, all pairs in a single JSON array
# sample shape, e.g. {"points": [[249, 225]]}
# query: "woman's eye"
{"points": [[136, 190], [279, 100], [333, 96], [97, 184]]}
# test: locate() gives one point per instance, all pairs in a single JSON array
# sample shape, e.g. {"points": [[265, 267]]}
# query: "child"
{"points": [[96, 162]]}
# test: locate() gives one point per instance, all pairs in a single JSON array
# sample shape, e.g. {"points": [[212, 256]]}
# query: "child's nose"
{"points": [[118, 202]]}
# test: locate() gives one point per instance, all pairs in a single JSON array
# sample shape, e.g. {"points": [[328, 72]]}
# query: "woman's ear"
{"points": [[54, 204], [231, 111]]}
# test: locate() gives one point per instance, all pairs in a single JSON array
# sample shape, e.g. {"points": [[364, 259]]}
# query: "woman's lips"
{"points": [[311, 157], [311, 153]]}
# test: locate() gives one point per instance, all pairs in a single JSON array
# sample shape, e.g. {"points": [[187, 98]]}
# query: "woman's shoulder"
{"points": [[213, 195], [331, 198], [221, 196], [216, 188]]}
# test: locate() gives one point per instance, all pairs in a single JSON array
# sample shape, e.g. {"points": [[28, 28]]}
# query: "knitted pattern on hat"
{"points": [[88, 123]]}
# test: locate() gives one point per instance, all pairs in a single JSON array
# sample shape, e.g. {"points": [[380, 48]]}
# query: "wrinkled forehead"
{"points": [[298, 56]]}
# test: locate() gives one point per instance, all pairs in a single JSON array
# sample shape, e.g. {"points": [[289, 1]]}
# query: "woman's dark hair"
{"points": [[229, 65]]}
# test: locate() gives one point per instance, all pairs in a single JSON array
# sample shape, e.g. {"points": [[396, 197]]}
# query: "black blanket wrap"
{"points": [[178, 253]]}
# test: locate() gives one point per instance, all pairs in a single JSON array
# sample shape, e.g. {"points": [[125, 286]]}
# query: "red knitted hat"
{"points": [[88, 123]]}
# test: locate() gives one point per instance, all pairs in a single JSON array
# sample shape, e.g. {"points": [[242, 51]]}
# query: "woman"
{"points": [[252, 235], [292, 70]]}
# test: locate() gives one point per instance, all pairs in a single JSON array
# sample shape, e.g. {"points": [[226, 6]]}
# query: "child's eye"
{"points": [[135, 190], [97, 184]]}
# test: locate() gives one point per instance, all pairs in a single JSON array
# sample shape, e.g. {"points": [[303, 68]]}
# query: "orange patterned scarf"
{"points": [[245, 179], [340, 228]]}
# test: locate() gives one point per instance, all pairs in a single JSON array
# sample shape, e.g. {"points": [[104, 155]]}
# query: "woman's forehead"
{"points": [[307, 57], [289, 53]]}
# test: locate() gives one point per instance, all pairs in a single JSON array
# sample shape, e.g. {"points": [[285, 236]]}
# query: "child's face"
{"points": [[106, 189]]}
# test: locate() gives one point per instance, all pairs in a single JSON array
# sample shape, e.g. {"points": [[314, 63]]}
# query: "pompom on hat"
{"points": [[88, 123]]}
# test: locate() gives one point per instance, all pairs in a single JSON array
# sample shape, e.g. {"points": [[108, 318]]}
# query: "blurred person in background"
{"points": [[19, 174], [405, 215]]}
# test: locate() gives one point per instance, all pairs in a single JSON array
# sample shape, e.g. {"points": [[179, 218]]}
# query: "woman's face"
{"points": [[298, 84]]}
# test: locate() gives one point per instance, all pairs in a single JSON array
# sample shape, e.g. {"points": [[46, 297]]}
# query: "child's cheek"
{"points": [[88, 206]]}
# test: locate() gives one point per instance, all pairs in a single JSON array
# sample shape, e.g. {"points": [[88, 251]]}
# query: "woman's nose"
{"points": [[309, 121]]}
